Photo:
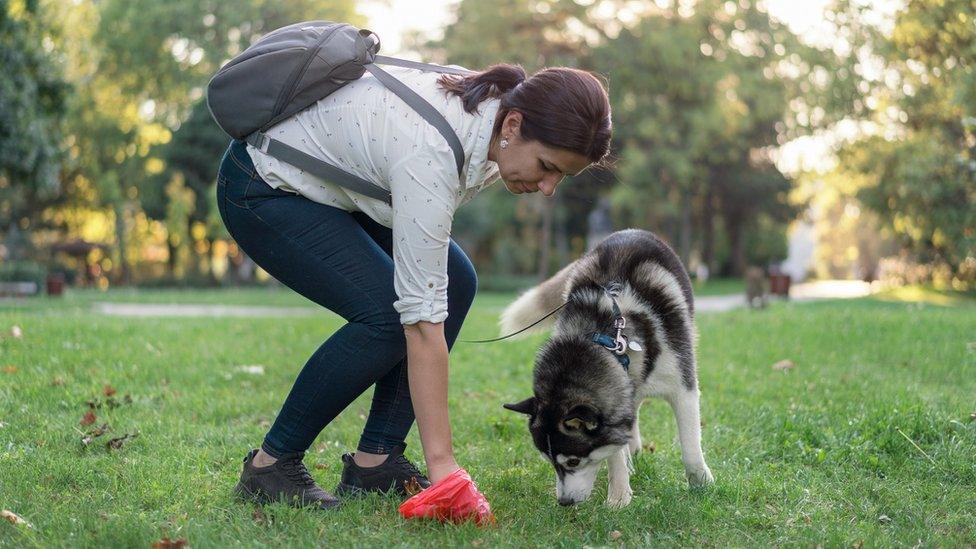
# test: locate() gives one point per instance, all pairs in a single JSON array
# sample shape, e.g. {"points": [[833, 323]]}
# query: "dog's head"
{"points": [[581, 413]]}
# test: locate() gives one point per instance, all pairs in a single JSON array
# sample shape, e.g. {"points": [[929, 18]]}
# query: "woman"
{"points": [[385, 268]]}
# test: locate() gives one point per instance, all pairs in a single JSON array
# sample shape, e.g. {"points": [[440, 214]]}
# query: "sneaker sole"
{"points": [[244, 494]]}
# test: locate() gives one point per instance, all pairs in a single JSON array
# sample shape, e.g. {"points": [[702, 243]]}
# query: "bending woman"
{"points": [[386, 269]]}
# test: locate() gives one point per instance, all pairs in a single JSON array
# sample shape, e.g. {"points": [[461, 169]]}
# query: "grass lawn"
{"points": [[869, 438]]}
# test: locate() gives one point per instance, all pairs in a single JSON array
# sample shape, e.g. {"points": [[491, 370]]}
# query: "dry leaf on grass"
{"points": [[615, 535], [8, 369], [650, 447], [321, 466], [94, 433], [88, 419], [57, 381], [167, 543], [108, 390], [117, 443], [784, 365], [14, 518], [259, 516], [16, 332], [412, 487]]}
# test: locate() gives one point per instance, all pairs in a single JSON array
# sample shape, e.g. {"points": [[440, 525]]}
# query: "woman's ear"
{"points": [[512, 125]]}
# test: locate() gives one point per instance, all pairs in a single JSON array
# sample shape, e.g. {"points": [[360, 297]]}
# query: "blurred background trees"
{"points": [[105, 138]]}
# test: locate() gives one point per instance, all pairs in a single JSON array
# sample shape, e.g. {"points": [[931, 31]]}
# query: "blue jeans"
{"points": [[342, 261]]}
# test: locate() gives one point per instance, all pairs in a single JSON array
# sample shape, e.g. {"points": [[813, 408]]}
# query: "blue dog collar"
{"points": [[610, 344]]}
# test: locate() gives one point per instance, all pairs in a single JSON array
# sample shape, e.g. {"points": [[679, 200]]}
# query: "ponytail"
{"points": [[487, 84]]}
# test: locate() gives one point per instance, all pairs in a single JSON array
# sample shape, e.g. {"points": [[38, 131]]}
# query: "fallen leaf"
{"points": [[650, 447], [8, 369], [117, 443], [57, 381], [108, 390], [88, 419], [259, 516], [477, 542], [615, 535], [321, 466], [14, 518], [412, 487], [784, 365], [16, 332], [94, 433], [884, 519], [167, 543]]}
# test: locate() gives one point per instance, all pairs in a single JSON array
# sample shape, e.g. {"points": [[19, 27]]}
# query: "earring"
{"points": [[504, 143]]}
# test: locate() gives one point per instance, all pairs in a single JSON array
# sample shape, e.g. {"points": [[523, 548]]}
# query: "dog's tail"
{"points": [[535, 303]]}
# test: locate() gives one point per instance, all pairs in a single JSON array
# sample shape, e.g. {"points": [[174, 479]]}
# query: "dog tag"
{"points": [[634, 346]]}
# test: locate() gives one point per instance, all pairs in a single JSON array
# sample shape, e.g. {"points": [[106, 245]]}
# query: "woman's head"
{"points": [[551, 124]]}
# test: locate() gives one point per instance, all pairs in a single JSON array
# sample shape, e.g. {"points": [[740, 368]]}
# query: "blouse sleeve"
{"points": [[423, 188]]}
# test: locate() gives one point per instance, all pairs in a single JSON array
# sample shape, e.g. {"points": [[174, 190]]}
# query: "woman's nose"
{"points": [[548, 184]]}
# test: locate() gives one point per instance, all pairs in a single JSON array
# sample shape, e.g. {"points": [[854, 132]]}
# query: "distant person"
{"points": [[386, 269], [757, 294]]}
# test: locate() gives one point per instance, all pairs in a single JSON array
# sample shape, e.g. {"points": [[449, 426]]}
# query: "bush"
{"points": [[23, 271]]}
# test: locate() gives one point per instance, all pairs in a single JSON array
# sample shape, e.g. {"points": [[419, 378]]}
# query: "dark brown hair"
{"points": [[561, 107]]}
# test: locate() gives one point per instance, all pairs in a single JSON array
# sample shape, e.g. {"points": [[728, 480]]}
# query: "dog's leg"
{"points": [[635, 437], [688, 416], [619, 493]]}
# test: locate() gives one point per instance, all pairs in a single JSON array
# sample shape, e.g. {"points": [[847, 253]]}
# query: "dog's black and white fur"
{"points": [[585, 402]]}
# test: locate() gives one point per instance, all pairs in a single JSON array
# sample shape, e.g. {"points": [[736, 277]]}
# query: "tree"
{"points": [[919, 169], [32, 104]]}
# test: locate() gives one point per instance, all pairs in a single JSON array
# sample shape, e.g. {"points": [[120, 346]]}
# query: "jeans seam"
{"points": [[252, 171]]}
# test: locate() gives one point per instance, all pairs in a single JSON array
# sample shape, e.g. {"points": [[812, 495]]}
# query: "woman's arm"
{"points": [[427, 374]]}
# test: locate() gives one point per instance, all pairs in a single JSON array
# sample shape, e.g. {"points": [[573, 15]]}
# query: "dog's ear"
{"points": [[582, 417], [526, 407]]}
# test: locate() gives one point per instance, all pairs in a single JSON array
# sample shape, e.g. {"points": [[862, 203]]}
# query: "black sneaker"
{"points": [[285, 480], [391, 475]]}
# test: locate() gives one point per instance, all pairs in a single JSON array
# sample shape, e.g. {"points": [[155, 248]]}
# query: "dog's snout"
{"points": [[566, 502]]}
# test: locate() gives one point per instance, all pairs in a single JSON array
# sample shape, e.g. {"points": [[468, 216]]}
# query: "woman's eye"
{"points": [[543, 166]]}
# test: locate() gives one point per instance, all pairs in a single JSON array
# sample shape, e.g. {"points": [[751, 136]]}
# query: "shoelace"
{"points": [[407, 467], [296, 471]]}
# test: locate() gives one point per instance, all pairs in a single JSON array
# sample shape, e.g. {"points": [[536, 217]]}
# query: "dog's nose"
{"points": [[565, 502]]}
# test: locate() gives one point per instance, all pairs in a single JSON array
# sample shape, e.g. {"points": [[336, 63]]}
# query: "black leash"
{"points": [[550, 313]]}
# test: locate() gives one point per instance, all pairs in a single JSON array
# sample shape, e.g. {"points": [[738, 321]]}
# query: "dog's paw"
{"points": [[618, 499], [699, 476]]}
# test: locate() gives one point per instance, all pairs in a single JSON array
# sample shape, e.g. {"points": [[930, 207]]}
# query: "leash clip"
{"points": [[621, 340]]}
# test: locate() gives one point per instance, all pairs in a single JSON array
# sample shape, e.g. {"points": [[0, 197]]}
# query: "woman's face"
{"points": [[529, 166]]}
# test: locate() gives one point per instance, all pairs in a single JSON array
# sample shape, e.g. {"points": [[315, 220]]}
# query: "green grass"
{"points": [[819, 454]]}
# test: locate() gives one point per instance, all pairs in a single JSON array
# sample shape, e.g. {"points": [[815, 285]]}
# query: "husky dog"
{"points": [[626, 332]]}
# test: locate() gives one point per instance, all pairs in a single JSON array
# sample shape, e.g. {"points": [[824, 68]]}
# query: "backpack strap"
{"points": [[419, 104], [384, 60], [320, 168]]}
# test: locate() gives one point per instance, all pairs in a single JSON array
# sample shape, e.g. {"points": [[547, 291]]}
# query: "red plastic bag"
{"points": [[454, 498]]}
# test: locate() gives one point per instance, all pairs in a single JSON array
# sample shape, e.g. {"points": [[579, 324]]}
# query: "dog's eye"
{"points": [[572, 462]]}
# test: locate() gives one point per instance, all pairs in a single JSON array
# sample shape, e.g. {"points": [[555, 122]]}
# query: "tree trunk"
{"points": [[684, 227], [121, 232], [708, 233]]}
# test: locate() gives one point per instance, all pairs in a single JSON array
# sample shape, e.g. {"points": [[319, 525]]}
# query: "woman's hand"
{"points": [[427, 367]]}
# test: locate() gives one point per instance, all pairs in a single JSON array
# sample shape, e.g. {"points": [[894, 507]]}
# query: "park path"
{"points": [[826, 289]]}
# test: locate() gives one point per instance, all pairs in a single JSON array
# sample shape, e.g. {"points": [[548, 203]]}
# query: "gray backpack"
{"points": [[291, 68]]}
